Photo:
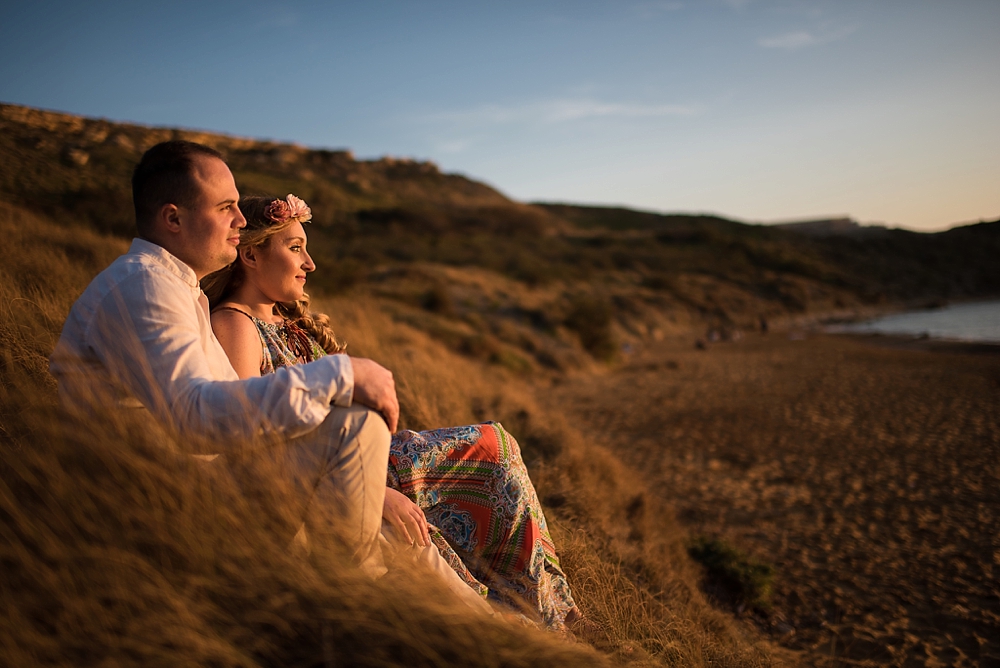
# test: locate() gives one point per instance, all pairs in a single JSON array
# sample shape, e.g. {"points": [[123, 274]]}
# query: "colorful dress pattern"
{"points": [[283, 344], [474, 489], [472, 485]]}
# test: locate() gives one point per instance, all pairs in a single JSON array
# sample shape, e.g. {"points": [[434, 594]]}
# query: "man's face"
{"points": [[210, 226]]}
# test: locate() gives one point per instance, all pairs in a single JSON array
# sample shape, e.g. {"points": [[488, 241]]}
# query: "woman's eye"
{"points": [[295, 249]]}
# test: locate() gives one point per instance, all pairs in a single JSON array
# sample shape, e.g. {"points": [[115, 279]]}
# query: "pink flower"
{"points": [[300, 210], [278, 211], [289, 209]]}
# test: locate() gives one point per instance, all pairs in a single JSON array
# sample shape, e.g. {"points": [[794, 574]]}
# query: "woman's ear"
{"points": [[248, 256]]}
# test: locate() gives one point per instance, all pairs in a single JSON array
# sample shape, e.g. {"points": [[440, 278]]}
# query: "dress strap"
{"points": [[233, 308]]}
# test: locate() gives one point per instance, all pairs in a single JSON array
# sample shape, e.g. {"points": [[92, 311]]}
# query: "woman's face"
{"points": [[282, 265]]}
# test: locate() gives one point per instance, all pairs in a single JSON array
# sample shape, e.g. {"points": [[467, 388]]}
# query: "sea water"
{"points": [[977, 321]]}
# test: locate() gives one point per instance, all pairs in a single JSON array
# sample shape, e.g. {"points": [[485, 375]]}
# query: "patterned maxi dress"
{"points": [[474, 489]]}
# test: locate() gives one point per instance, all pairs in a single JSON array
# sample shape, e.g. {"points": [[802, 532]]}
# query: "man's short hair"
{"points": [[165, 175]]}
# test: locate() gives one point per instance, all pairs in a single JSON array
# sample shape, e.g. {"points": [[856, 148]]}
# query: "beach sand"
{"points": [[866, 470]]}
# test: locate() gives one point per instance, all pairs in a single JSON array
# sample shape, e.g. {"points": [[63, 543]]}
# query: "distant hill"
{"points": [[873, 262], [524, 285], [826, 227]]}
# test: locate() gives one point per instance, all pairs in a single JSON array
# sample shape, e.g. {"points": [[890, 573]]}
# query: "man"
{"points": [[140, 336]]}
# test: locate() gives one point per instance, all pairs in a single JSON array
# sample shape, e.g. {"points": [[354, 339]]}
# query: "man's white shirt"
{"points": [[141, 332]]}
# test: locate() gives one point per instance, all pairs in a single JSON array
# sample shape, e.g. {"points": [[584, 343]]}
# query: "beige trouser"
{"points": [[429, 558], [350, 452]]}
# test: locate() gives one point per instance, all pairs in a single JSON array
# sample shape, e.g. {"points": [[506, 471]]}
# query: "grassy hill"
{"points": [[480, 304], [528, 286]]}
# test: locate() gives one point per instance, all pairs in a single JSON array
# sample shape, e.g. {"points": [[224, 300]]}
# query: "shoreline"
{"points": [[826, 321], [921, 343], [831, 323]]}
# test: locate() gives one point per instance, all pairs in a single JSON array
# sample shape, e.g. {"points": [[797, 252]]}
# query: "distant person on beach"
{"points": [[140, 336], [463, 489]]}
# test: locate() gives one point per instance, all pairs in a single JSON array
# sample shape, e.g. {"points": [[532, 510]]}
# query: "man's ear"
{"points": [[169, 218]]}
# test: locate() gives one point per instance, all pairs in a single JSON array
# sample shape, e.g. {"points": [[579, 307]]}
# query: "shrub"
{"points": [[590, 318], [740, 577]]}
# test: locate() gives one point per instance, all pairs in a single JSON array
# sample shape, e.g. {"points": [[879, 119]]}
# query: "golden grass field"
{"points": [[117, 551]]}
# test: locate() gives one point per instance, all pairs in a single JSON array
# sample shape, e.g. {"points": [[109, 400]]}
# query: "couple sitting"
{"points": [[141, 335]]}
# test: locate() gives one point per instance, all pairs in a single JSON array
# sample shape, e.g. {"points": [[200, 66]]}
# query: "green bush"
{"points": [[740, 577]]}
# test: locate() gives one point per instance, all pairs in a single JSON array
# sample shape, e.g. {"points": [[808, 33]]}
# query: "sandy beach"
{"points": [[864, 469]]}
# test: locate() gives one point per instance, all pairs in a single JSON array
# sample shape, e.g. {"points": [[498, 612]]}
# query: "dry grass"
{"points": [[623, 551], [46, 266], [117, 552]]}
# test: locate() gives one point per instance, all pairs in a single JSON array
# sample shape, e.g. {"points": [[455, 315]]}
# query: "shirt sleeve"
{"points": [[150, 340]]}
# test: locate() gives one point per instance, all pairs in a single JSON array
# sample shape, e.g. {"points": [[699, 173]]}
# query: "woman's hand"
{"points": [[406, 517]]}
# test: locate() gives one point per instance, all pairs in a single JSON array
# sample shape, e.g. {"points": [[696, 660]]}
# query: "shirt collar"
{"points": [[162, 257]]}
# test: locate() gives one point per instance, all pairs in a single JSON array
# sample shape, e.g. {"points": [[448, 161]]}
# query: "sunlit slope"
{"points": [[70, 164], [118, 550]]}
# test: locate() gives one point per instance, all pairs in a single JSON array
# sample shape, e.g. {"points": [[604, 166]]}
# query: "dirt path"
{"points": [[869, 476]]}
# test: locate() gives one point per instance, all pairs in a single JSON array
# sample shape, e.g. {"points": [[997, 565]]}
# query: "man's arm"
{"points": [[375, 387], [373, 384], [152, 341]]}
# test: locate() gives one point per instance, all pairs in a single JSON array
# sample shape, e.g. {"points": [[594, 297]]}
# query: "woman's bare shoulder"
{"points": [[240, 339], [233, 321]]}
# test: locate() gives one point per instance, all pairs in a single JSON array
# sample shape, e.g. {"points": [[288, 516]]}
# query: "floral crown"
{"points": [[288, 210]]}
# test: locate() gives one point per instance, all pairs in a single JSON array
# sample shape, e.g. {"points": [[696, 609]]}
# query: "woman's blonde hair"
{"points": [[263, 223]]}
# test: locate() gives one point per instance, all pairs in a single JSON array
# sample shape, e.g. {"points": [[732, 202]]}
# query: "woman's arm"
{"points": [[239, 338]]}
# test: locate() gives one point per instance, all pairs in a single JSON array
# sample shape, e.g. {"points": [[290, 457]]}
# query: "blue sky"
{"points": [[762, 110]]}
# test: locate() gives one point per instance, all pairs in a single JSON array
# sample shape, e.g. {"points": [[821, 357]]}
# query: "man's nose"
{"points": [[240, 221]]}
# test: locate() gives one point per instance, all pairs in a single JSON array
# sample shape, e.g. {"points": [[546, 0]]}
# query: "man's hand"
{"points": [[375, 388], [406, 517]]}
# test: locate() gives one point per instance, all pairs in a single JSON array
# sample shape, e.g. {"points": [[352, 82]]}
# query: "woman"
{"points": [[466, 489]]}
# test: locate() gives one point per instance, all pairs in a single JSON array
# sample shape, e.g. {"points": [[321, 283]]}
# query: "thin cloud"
{"points": [[561, 111], [790, 40], [653, 9], [454, 146], [800, 39], [277, 17], [571, 110]]}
